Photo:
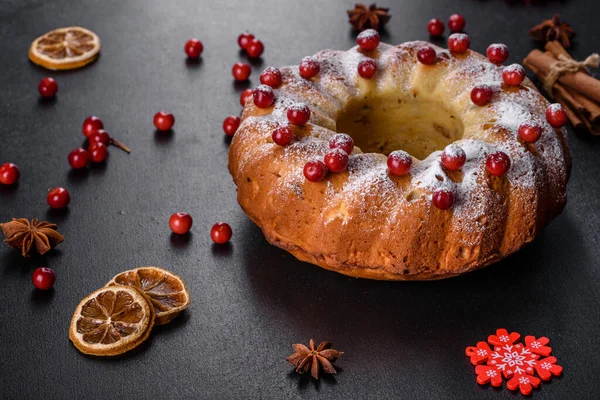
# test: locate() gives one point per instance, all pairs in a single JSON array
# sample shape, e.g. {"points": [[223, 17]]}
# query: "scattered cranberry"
{"points": [[336, 160], [513, 75], [180, 223], [220, 233], [193, 48], [427, 55], [43, 278], [459, 43], [79, 158], [58, 198], [456, 23], [399, 162], [231, 124], [315, 171], [442, 199], [283, 135], [263, 96], [100, 136], [271, 76], [556, 116], [367, 68], [453, 157], [9, 174], [241, 71], [530, 133], [91, 125], [98, 152], [368, 39], [255, 48], [482, 95], [309, 67], [435, 27], [497, 53], [298, 114], [244, 96], [48, 87], [163, 121], [497, 163], [342, 141], [244, 40]]}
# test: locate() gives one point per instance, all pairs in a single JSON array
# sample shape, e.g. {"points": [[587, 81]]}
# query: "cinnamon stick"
{"points": [[578, 81], [570, 105]]}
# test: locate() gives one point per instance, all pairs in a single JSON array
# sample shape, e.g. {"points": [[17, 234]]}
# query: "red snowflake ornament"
{"points": [[517, 363]]}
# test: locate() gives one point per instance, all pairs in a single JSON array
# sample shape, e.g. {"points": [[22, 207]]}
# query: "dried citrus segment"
{"points": [[111, 321], [166, 291], [65, 48]]}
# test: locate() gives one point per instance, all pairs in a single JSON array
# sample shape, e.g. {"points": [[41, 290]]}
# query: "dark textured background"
{"points": [[252, 300]]}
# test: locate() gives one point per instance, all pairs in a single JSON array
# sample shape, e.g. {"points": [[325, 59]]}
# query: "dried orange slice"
{"points": [[65, 48], [166, 291], [111, 321]]}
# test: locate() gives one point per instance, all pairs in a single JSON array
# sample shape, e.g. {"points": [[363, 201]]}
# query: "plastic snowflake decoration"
{"points": [[518, 363]]}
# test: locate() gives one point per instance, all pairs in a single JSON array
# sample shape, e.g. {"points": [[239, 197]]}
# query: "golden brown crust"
{"points": [[366, 223]]}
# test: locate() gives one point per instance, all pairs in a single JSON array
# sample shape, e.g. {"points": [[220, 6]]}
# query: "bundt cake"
{"points": [[406, 162]]}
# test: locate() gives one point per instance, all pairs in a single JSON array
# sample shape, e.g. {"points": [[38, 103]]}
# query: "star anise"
{"points": [[373, 17], [306, 358], [553, 29], [27, 236]]}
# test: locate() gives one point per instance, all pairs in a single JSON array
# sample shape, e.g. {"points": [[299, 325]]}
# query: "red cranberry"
{"points": [[263, 96], [367, 68], [399, 162], [497, 53], [482, 95], [513, 75], [244, 40], [283, 135], [456, 23], [368, 39], [241, 71], [435, 27], [220, 233], [163, 121], [336, 160], [48, 87], [244, 96], [271, 76], [427, 55], [255, 48], [193, 48], [231, 124], [497, 163], [453, 157], [309, 67], [298, 114], [91, 125], [9, 174], [442, 199], [58, 198], [98, 152], [43, 278], [530, 133], [100, 136], [342, 141], [315, 171], [79, 158], [180, 223], [556, 116], [459, 43]]}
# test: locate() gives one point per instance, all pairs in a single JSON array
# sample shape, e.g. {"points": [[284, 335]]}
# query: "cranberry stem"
{"points": [[120, 145]]}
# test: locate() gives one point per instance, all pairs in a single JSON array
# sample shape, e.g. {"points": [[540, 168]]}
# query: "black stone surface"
{"points": [[251, 301]]}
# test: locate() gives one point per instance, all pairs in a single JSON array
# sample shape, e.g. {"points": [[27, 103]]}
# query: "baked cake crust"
{"points": [[367, 223]]}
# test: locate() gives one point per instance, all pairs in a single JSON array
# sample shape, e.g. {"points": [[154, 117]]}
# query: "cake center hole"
{"points": [[383, 124]]}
